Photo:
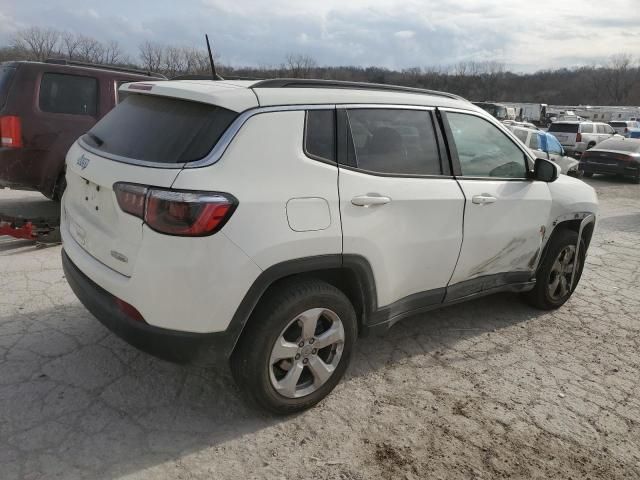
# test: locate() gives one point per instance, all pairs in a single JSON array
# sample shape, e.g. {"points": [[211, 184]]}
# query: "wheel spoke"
{"points": [[553, 286], [287, 386], [309, 320], [557, 266], [320, 370], [333, 335], [283, 350], [564, 286]]}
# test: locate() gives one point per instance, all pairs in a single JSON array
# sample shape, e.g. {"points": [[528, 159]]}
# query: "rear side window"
{"points": [[601, 129], [586, 128], [71, 94], [6, 75], [159, 129], [394, 141], [320, 134], [564, 127]]}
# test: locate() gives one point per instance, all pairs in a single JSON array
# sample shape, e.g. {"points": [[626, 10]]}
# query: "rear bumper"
{"points": [[171, 345], [628, 170]]}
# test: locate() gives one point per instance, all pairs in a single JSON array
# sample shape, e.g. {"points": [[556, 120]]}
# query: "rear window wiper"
{"points": [[96, 139]]}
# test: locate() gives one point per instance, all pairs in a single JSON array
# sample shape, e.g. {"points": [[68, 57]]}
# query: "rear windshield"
{"points": [[618, 124], [626, 145], [564, 127], [160, 130], [6, 75]]}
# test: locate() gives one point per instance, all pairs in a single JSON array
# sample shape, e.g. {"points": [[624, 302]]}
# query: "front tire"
{"points": [[296, 347], [553, 279]]}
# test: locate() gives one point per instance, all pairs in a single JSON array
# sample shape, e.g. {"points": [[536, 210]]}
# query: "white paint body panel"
{"points": [[412, 243], [506, 235], [264, 167]]}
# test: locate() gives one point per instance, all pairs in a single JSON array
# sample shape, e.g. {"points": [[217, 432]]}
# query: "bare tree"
{"points": [[151, 56], [69, 44], [299, 66], [113, 53], [38, 43], [619, 77]]}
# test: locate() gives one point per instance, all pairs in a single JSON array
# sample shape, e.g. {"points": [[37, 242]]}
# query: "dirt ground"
{"points": [[489, 389]]}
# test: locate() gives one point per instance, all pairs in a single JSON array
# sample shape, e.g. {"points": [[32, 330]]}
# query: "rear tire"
{"points": [[552, 288], [267, 362], [590, 146]]}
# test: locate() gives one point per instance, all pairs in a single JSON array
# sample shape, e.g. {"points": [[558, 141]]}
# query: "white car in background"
{"points": [[270, 223], [576, 137], [545, 145]]}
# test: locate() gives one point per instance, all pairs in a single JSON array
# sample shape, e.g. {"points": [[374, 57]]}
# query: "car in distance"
{"points": [[270, 223], [44, 108], [545, 145], [576, 137], [623, 127], [615, 156]]}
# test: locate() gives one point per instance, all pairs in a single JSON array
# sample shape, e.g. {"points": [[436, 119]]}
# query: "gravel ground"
{"points": [[489, 389]]}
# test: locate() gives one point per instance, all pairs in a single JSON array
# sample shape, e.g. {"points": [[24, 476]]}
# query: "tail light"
{"points": [[10, 132], [176, 212], [578, 137]]}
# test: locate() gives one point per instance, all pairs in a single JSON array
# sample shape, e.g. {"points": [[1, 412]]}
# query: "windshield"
{"points": [[6, 75], [159, 129]]}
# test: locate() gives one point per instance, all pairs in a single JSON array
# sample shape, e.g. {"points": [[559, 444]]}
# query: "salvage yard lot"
{"points": [[489, 389]]}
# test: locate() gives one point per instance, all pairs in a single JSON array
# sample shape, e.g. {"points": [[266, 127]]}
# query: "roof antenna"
{"points": [[213, 65]]}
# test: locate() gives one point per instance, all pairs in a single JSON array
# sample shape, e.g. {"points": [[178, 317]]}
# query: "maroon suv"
{"points": [[44, 108]]}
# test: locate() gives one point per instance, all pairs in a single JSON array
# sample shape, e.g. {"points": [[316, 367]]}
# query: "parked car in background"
{"points": [[577, 137], [186, 233], [615, 156], [496, 110], [622, 128], [545, 145], [515, 123], [44, 108], [535, 113], [633, 133]]}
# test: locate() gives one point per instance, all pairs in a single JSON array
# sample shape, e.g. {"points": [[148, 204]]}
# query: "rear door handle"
{"points": [[483, 199], [369, 200]]}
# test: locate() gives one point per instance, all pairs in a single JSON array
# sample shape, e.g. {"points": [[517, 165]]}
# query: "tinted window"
{"points": [[68, 94], [564, 127], [6, 75], [320, 137], [618, 124], [158, 129], [483, 150], [623, 145], [395, 141], [586, 128]]}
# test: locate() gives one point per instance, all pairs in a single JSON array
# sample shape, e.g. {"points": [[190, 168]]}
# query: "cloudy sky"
{"points": [[525, 35]]}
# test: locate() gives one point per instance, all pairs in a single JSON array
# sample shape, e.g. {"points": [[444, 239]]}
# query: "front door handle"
{"points": [[483, 199], [369, 200]]}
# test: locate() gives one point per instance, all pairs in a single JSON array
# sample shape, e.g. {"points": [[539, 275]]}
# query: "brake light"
{"points": [[578, 137], [10, 132], [176, 212], [129, 310]]}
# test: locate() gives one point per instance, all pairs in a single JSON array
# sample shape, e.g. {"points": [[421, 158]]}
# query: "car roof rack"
{"points": [[75, 63], [313, 83]]}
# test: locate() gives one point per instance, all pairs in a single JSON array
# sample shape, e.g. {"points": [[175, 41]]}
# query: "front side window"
{"points": [[70, 94], [553, 146], [394, 141], [320, 134], [483, 150]]}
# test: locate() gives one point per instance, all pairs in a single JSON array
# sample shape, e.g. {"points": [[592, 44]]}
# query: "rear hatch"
{"points": [[145, 140], [565, 133]]}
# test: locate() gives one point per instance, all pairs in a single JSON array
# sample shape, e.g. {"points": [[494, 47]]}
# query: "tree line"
{"points": [[617, 82]]}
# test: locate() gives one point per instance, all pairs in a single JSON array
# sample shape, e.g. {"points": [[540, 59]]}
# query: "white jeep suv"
{"points": [[273, 222]]}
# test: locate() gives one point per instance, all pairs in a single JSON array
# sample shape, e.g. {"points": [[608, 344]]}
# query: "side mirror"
{"points": [[545, 170]]}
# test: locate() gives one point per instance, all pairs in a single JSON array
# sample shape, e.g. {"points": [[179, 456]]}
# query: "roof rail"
{"points": [[313, 83], [75, 63]]}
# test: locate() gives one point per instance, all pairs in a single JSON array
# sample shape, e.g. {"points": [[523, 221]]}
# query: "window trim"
{"points": [[73, 115], [344, 133], [457, 169], [335, 133]]}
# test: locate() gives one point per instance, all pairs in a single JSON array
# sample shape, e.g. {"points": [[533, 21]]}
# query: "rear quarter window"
{"points": [[320, 134], [70, 94], [159, 130]]}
